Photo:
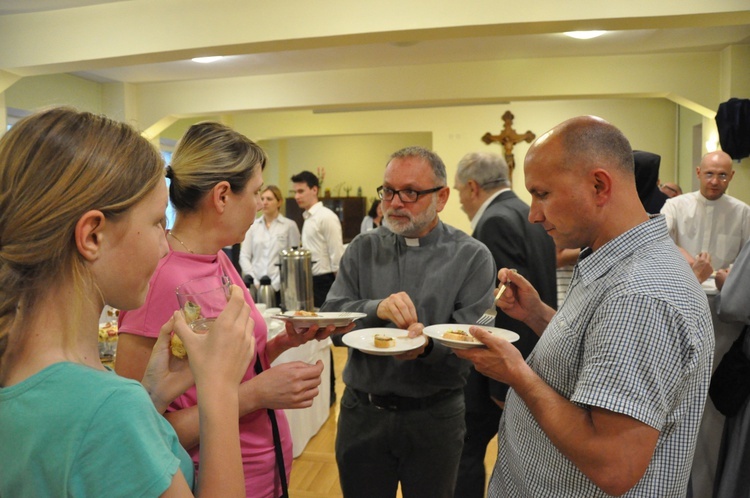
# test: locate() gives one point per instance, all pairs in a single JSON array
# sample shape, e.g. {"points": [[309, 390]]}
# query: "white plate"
{"points": [[274, 327], [437, 331], [364, 341], [339, 319]]}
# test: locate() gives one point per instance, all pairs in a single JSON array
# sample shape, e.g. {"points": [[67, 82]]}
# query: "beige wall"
{"points": [[740, 186], [353, 145], [300, 142], [354, 161], [37, 92]]}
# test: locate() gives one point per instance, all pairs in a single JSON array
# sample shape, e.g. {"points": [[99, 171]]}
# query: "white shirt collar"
{"points": [[309, 212], [483, 207]]}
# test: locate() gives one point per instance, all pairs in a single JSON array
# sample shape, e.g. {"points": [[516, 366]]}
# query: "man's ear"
{"points": [[602, 185], [442, 199], [88, 234], [473, 187]]}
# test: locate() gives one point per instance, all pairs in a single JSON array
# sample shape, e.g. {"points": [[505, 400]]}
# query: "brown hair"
{"points": [[55, 166], [276, 191], [207, 154]]}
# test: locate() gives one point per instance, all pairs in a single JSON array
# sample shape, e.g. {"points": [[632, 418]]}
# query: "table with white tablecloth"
{"points": [[306, 422]]}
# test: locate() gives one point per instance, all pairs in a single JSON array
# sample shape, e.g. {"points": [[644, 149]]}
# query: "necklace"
{"points": [[181, 242]]}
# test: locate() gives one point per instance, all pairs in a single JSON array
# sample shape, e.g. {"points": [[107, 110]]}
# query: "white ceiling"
{"points": [[358, 54], [435, 51]]}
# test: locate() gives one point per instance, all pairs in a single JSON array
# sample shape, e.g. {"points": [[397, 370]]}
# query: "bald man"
{"points": [[708, 224], [610, 400]]}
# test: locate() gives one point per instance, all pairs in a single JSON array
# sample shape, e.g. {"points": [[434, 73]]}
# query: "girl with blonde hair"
{"points": [[82, 202]]}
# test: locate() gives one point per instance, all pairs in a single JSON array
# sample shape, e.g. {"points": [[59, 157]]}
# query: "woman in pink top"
{"points": [[215, 182]]}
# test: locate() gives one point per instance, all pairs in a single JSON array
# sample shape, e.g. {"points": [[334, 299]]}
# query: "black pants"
{"points": [[480, 429], [321, 285], [378, 448]]}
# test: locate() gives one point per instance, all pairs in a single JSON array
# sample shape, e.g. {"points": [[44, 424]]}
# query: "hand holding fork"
{"points": [[488, 317]]}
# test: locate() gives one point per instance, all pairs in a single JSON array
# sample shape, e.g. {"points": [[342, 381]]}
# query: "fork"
{"points": [[489, 316]]}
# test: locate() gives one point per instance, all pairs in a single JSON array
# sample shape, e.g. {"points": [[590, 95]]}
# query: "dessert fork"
{"points": [[488, 317]]}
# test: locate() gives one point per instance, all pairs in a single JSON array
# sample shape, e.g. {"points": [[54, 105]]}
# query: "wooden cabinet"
{"points": [[350, 210]]}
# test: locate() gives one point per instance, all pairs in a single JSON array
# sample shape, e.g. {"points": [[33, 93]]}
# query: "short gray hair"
{"points": [[438, 166], [490, 171]]}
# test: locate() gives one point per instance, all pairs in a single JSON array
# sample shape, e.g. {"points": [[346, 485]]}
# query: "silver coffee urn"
{"points": [[296, 279]]}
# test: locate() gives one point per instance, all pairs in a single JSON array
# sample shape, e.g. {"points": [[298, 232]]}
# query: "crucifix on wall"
{"points": [[508, 138]]}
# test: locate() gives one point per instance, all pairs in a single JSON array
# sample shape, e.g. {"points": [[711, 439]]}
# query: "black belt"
{"points": [[401, 403]]}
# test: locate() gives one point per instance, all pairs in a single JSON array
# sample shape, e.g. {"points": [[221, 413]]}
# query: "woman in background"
{"points": [[82, 202], [373, 219], [268, 235], [215, 183]]}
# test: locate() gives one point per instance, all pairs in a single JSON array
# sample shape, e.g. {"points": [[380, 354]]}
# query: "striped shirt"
{"points": [[634, 336]]}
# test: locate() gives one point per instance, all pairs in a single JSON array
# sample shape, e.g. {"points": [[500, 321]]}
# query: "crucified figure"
{"points": [[508, 138]]}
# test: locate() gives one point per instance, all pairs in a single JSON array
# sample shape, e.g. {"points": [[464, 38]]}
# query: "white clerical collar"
{"points": [[411, 242], [483, 207], [709, 202]]}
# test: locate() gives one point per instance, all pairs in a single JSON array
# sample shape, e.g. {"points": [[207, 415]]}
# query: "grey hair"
{"points": [[490, 171], [438, 167]]}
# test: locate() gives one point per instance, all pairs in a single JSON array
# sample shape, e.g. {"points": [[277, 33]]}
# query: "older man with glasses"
{"points": [[402, 416], [709, 224]]}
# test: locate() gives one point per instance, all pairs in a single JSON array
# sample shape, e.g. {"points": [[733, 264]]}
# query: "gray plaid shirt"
{"points": [[633, 336]]}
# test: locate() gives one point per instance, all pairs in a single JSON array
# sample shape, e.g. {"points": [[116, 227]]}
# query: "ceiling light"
{"points": [[208, 60], [584, 35]]}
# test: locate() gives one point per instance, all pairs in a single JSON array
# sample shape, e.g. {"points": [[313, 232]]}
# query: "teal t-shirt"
{"points": [[71, 430]]}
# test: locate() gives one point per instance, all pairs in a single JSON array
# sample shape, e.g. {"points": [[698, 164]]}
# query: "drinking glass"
{"points": [[202, 300]]}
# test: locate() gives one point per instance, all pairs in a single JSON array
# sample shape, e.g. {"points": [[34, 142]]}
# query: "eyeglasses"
{"points": [[406, 195], [722, 177]]}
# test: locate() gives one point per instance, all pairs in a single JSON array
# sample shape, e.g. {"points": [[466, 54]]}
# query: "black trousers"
{"points": [[480, 429], [321, 285]]}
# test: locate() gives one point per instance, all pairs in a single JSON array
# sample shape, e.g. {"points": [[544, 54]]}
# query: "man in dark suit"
{"points": [[499, 219]]}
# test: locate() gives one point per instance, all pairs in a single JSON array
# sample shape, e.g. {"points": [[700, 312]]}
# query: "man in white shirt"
{"points": [[321, 234], [709, 223]]}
